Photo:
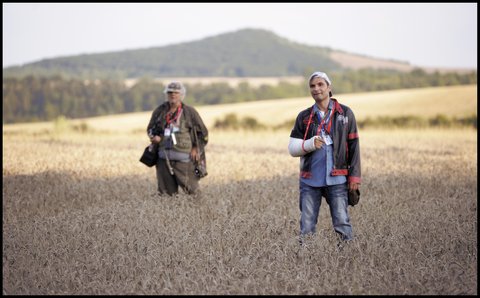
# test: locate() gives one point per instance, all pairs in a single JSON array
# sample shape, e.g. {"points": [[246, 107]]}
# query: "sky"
{"points": [[422, 34]]}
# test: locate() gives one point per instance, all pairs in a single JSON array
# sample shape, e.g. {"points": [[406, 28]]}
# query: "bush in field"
{"points": [[82, 127], [390, 122], [231, 121], [61, 124], [251, 123], [468, 121], [285, 125], [441, 120]]}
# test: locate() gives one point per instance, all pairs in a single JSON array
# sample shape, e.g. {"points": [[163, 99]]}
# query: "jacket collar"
{"points": [[338, 107]]}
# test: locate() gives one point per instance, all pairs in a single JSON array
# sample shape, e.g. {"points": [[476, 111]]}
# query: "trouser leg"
{"points": [[337, 198], [310, 201], [185, 176], [167, 184]]}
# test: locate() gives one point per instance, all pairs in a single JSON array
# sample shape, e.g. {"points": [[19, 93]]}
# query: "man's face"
{"points": [[319, 89], [174, 98]]}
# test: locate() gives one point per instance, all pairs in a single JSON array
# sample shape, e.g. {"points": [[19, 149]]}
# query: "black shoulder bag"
{"points": [[150, 155], [353, 197]]}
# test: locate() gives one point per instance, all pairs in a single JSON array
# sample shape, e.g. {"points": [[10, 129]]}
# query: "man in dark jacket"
{"points": [[325, 137], [180, 136]]}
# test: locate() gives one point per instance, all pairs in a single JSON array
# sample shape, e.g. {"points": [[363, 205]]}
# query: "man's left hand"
{"points": [[194, 154], [353, 186]]}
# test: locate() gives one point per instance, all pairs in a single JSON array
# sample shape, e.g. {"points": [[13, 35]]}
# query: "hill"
{"points": [[242, 53], [424, 102]]}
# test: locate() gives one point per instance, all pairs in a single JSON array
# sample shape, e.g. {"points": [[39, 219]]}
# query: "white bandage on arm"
{"points": [[297, 147]]}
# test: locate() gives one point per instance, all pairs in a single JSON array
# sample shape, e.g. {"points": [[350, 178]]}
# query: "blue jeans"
{"points": [[337, 199]]}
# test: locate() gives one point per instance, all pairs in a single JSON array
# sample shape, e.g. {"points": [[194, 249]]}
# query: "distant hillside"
{"points": [[243, 53], [248, 52]]}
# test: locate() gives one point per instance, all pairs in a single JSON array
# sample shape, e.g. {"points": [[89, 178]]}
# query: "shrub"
{"points": [[231, 121]]}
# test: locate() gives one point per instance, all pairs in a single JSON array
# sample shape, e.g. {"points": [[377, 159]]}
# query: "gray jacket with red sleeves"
{"points": [[344, 133]]}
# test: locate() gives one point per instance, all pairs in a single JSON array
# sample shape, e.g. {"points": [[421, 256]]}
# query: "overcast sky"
{"points": [[425, 34]]}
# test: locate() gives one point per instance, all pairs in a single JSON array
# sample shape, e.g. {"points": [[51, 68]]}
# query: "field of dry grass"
{"points": [[80, 217]]}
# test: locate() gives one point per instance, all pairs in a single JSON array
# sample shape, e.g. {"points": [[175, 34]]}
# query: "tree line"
{"points": [[35, 98]]}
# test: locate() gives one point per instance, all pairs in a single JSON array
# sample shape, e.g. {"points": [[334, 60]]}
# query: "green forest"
{"points": [[36, 98]]}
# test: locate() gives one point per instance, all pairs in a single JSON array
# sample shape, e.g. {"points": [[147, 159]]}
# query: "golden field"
{"points": [[80, 216]]}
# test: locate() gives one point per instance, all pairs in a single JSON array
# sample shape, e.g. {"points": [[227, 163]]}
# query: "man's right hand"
{"points": [[318, 141], [155, 139]]}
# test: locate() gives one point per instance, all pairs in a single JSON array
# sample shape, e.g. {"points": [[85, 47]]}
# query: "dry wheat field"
{"points": [[80, 216]]}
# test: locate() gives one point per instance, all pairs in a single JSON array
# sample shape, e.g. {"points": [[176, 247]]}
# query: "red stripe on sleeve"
{"points": [[352, 136]]}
